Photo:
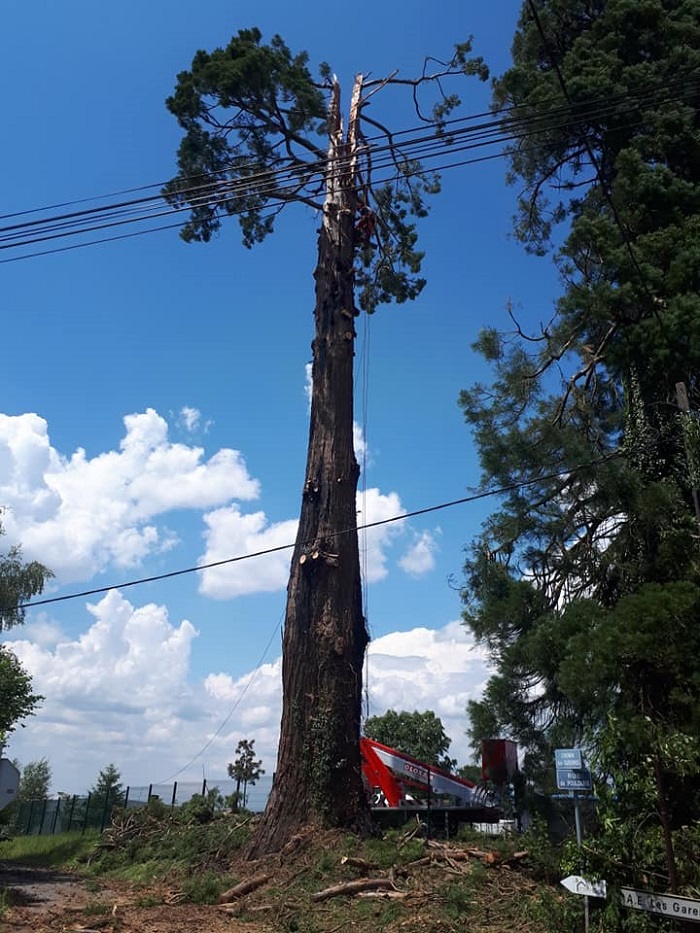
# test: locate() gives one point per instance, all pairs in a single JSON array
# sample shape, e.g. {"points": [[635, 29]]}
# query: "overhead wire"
{"points": [[232, 710], [493, 126], [271, 183], [496, 116], [502, 490], [473, 497], [179, 224]]}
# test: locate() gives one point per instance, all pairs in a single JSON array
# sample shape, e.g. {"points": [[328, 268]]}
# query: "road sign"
{"points": [[567, 758], [578, 885], [574, 779], [682, 908]]}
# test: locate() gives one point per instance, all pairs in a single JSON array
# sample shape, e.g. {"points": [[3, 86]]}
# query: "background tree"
{"points": [[35, 780], [261, 133], [108, 790], [584, 583], [19, 582], [17, 698], [245, 769], [421, 735]]}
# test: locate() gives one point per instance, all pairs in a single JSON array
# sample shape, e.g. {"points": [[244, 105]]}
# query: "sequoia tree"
{"points": [[261, 133], [585, 583]]}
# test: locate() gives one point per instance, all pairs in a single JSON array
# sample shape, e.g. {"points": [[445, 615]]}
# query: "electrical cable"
{"points": [[474, 497], [430, 151], [227, 719], [268, 184], [495, 113], [403, 175]]}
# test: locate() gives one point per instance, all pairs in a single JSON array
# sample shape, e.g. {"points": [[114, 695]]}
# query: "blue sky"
{"points": [[154, 410]]}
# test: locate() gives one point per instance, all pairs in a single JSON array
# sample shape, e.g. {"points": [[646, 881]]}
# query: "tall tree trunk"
{"points": [[319, 779]]}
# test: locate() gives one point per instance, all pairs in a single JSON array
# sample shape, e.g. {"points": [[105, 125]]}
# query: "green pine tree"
{"points": [[584, 584]]}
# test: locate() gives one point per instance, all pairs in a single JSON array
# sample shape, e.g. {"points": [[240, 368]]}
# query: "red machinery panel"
{"points": [[499, 761]]}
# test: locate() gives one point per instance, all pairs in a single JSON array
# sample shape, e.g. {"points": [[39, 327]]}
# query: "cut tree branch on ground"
{"points": [[360, 864], [352, 887], [245, 887]]}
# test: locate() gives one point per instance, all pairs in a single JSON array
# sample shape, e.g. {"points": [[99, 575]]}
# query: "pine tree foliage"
{"points": [[108, 789], [585, 583], [255, 122]]}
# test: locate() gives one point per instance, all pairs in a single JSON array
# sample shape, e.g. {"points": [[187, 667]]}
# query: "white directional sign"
{"points": [[683, 908], [578, 885]]}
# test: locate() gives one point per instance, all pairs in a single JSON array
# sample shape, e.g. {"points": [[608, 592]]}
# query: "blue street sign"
{"points": [[568, 758], [574, 779]]}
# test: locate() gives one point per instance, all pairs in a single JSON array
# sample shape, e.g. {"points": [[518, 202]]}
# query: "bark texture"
{"points": [[318, 780]]}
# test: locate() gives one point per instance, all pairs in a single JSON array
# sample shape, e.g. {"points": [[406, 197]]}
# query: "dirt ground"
{"points": [[45, 901], [426, 886]]}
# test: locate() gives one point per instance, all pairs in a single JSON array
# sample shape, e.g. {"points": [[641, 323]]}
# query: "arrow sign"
{"points": [[578, 885]]}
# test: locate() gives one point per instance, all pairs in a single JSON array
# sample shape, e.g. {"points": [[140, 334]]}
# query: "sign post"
{"points": [[573, 776]]}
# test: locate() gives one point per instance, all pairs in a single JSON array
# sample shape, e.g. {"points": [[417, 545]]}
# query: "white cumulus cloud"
{"points": [[437, 669], [123, 691], [190, 417], [77, 514], [374, 506], [419, 559], [231, 533]]}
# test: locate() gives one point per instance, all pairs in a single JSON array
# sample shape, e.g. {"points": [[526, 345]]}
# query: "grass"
{"points": [[64, 850], [155, 856]]}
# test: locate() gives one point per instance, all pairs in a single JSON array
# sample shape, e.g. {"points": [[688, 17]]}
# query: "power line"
{"points": [[399, 175], [497, 116], [233, 709], [180, 224], [272, 183], [474, 497]]}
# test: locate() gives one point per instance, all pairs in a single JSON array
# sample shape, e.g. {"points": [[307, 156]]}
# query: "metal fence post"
{"points": [[55, 816], [70, 815], [87, 813], [174, 797], [105, 809], [41, 821]]}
